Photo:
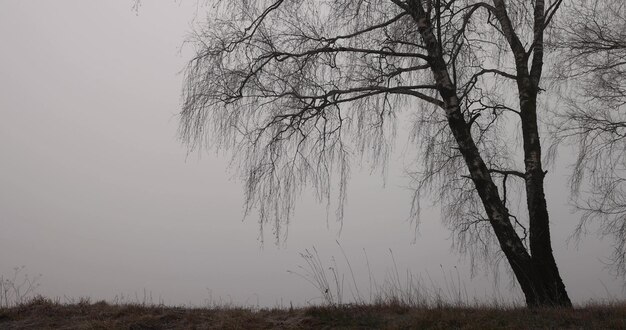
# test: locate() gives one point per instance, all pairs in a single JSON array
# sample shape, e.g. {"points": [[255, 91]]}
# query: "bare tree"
{"points": [[297, 88], [592, 60]]}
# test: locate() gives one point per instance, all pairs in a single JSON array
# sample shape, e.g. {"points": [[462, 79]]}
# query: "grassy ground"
{"points": [[42, 313]]}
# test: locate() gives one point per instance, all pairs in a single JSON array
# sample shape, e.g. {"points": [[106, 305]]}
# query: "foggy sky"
{"points": [[99, 196]]}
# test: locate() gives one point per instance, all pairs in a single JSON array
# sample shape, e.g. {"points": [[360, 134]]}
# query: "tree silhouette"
{"points": [[297, 88]]}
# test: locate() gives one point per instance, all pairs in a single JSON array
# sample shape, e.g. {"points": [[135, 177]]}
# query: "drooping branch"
{"points": [[591, 58]]}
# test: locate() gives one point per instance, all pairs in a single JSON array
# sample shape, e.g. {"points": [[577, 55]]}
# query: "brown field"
{"points": [[42, 313]]}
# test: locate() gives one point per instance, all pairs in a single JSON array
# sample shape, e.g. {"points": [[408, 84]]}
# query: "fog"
{"points": [[99, 196]]}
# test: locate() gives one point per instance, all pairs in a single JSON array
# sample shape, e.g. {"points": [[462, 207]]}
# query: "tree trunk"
{"points": [[551, 290], [538, 274]]}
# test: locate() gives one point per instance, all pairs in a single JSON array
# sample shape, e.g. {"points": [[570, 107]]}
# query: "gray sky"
{"points": [[98, 195]]}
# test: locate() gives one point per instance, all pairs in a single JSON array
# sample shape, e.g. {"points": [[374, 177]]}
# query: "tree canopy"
{"points": [[298, 89]]}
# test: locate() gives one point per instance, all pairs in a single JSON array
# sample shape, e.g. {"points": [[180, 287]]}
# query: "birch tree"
{"points": [[296, 89]]}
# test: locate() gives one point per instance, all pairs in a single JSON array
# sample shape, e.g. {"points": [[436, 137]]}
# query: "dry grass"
{"points": [[400, 302], [41, 313]]}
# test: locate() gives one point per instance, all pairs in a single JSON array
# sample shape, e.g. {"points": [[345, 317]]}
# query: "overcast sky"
{"points": [[99, 196]]}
